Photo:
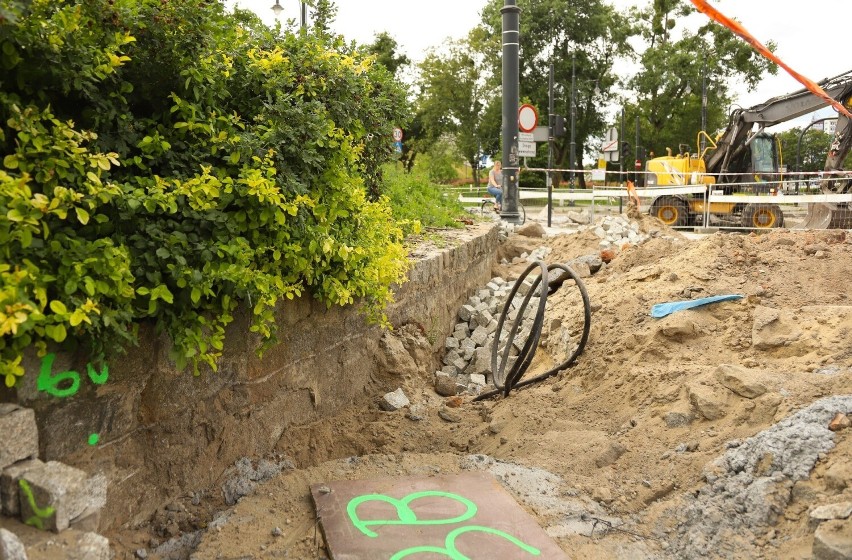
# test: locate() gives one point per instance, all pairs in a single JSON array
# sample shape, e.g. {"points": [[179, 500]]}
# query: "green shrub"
{"points": [[165, 161], [441, 161], [419, 203]]}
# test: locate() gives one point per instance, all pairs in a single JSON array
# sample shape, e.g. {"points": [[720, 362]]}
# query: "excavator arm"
{"points": [[736, 138]]}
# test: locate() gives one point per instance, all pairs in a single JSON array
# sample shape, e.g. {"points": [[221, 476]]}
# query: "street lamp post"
{"points": [[511, 99], [278, 8], [572, 147], [703, 103]]}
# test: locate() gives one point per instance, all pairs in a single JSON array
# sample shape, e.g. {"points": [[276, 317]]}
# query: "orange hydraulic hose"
{"points": [[719, 17]]}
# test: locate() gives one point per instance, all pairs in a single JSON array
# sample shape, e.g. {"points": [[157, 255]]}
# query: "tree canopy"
{"points": [[676, 66], [455, 97]]}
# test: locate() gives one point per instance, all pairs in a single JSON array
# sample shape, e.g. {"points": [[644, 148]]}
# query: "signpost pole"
{"points": [[511, 99], [621, 165], [550, 118]]}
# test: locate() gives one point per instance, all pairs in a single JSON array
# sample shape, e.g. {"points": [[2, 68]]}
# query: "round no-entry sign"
{"points": [[527, 118]]}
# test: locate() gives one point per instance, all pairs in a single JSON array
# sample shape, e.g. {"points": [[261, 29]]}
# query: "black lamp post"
{"points": [[511, 99], [277, 8]]}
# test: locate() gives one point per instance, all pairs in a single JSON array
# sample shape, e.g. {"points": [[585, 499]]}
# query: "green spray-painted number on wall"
{"points": [[405, 514], [40, 513], [52, 384], [450, 550]]}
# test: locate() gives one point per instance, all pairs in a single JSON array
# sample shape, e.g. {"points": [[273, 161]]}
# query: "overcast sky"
{"points": [[811, 35]]}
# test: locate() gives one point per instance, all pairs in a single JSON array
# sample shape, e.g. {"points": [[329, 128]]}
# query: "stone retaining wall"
{"points": [[163, 433]]}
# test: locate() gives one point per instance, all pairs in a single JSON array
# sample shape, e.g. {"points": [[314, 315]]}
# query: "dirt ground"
{"points": [[611, 455]]}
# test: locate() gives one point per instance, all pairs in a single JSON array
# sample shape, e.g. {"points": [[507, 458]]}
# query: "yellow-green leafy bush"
{"points": [[166, 161]]}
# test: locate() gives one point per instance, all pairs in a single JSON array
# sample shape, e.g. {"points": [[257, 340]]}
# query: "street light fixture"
{"points": [[278, 8]]}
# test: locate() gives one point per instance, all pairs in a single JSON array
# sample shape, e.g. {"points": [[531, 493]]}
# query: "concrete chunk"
{"points": [[11, 547], [740, 380], [394, 401], [479, 336], [833, 540], [9, 490], [88, 521], [60, 493], [465, 312], [20, 436], [483, 318], [450, 357], [481, 362], [89, 546], [445, 385], [477, 379]]}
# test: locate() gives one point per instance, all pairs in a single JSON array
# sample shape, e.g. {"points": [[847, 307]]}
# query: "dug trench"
{"points": [[718, 431]]}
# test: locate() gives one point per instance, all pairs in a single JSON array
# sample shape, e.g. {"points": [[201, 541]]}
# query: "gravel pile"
{"points": [[749, 487]]}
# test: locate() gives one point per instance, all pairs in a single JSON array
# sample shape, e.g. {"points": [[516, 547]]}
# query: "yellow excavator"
{"points": [[749, 162]]}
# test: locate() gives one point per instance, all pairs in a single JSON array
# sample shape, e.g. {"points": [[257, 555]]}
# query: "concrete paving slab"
{"points": [[468, 514]]}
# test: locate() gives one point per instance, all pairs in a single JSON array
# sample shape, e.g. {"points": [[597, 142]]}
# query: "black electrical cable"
{"points": [[501, 379], [524, 358]]}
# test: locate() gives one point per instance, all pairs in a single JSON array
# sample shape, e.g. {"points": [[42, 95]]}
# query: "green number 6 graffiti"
{"points": [[450, 550], [404, 513], [50, 383]]}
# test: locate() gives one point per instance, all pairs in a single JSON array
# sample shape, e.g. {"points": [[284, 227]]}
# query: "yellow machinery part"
{"points": [[697, 206]]}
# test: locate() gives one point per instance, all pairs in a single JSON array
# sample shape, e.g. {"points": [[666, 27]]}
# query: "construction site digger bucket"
{"points": [[819, 216], [827, 216]]}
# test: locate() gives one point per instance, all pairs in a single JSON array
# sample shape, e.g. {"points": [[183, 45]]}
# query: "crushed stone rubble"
{"points": [[614, 232], [467, 367], [750, 485]]}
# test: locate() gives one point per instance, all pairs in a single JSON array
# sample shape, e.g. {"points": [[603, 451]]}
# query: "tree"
{"points": [[666, 92], [552, 31], [812, 151], [384, 47], [455, 98], [325, 11]]}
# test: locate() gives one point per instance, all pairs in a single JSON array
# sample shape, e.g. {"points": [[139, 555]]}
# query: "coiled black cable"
{"points": [[506, 382]]}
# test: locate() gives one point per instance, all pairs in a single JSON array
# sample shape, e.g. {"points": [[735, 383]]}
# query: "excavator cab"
{"points": [[755, 169]]}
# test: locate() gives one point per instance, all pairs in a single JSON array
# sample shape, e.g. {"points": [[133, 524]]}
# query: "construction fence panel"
{"points": [[795, 204], [798, 202]]}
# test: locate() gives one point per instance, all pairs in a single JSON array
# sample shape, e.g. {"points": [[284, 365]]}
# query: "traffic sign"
{"points": [[397, 135], [610, 146], [612, 134], [526, 137], [527, 118], [526, 149]]}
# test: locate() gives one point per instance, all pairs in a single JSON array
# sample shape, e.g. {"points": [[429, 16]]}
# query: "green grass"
{"points": [[417, 202]]}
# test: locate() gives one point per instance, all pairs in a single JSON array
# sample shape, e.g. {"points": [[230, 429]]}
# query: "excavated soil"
{"points": [[612, 456]]}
